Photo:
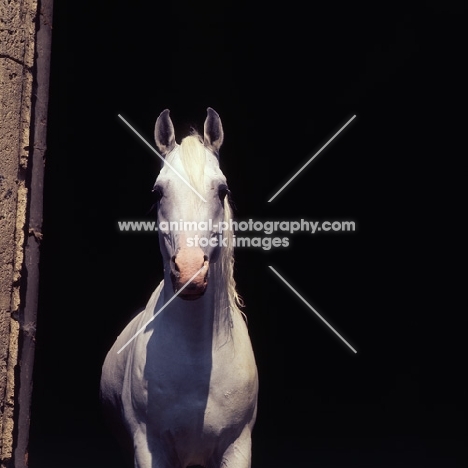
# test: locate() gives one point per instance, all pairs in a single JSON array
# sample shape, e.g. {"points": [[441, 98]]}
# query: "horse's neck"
{"points": [[204, 318]]}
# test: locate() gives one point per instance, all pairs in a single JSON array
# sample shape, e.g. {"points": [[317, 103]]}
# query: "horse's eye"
{"points": [[222, 192], [157, 193]]}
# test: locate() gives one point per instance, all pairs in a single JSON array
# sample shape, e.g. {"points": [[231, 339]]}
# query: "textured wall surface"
{"points": [[17, 46]]}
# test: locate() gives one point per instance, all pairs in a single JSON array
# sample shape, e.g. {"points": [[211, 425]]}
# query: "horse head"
{"points": [[191, 203]]}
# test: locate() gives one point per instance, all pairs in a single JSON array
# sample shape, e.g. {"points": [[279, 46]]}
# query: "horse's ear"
{"points": [[164, 133], [213, 131]]}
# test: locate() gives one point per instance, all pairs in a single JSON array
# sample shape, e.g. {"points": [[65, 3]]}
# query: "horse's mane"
{"points": [[193, 158]]}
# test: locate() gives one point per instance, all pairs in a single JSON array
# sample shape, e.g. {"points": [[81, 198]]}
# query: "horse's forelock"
{"points": [[193, 157]]}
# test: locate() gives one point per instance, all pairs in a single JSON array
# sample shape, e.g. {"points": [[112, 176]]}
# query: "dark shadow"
{"points": [[178, 369]]}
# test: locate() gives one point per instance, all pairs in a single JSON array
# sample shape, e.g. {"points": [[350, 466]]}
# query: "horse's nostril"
{"points": [[205, 259], [176, 267]]}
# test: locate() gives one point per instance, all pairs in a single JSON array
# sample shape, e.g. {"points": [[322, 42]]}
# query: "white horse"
{"points": [[181, 379]]}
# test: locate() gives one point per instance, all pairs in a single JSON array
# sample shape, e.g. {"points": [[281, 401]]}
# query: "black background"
{"points": [[284, 78]]}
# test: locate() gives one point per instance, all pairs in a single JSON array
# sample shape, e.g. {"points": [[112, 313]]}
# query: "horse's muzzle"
{"points": [[189, 273]]}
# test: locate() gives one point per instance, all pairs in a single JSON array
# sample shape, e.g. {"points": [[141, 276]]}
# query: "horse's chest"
{"points": [[197, 394]]}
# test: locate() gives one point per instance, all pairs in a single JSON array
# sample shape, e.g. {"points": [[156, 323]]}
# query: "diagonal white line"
{"points": [[160, 157], [159, 311], [310, 307], [311, 159]]}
